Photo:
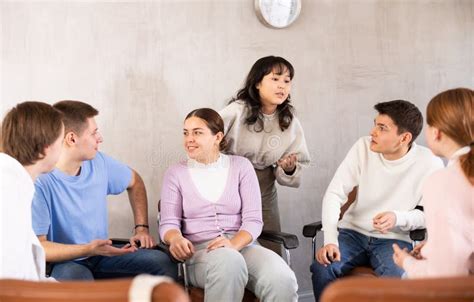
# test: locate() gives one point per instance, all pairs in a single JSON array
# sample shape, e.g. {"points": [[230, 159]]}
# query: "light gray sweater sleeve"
{"points": [[230, 114], [298, 147]]}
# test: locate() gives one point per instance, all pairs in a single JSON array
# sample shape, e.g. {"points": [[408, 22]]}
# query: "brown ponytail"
{"points": [[213, 120], [452, 112]]}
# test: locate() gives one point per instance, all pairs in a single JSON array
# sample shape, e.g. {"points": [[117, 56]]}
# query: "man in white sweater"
{"points": [[31, 142], [388, 168]]}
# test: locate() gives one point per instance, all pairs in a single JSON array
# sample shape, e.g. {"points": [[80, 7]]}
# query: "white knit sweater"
{"points": [[384, 185]]}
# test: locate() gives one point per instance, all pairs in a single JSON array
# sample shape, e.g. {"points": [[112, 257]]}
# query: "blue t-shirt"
{"points": [[73, 209]]}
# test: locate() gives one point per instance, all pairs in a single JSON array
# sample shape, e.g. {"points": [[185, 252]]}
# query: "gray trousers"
{"points": [[270, 211], [224, 273]]}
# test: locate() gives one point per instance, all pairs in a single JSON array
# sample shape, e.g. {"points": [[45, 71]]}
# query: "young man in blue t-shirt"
{"points": [[70, 210]]}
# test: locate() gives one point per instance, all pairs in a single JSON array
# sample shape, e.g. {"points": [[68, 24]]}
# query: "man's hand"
{"points": [[327, 254], [384, 221], [100, 247], [142, 235], [219, 242], [399, 255], [288, 163], [181, 248]]}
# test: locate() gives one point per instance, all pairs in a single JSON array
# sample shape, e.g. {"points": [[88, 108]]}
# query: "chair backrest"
{"points": [[471, 264], [158, 216], [457, 289], [350, 200]]}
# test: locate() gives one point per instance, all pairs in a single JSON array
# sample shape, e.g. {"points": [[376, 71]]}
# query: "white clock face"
{"points": [[278, 13]]}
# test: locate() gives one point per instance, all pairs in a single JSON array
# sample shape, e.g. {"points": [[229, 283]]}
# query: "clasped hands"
{"points": [[183, 249], [288, 163]]}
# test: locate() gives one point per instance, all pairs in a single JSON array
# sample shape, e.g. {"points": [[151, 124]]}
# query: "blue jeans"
{"points": [[358, 250], [143, 261]]}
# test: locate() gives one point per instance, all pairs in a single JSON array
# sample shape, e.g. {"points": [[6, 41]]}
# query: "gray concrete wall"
{"points": [[145, 64]]}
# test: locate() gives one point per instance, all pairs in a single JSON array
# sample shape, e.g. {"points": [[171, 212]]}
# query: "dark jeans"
{"points": [[357, 250], [143, 261]]}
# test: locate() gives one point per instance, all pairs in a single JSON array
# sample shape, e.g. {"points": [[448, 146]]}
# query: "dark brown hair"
{"points": [[404, 114], [28, 128], [75, 115], [213, 121], [251, 96], [452, 113]]}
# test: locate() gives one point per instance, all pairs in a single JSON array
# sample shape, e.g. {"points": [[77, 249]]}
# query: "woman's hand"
{"points": [[181, 248], [416, 252], [399, 255], [219, 242], [288, 163]]}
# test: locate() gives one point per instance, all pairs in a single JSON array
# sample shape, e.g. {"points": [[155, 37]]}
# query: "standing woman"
{"points": [[260, 125], [447, 193]]}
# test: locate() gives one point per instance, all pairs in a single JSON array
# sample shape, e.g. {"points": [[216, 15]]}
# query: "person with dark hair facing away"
{"points": [[448, 194], [211, 215], [260, 125], [31, 142], [388, 168], [70, 214]]}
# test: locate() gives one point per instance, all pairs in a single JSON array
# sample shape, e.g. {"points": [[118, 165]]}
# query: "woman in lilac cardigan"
{"points": [[447, 193], [211, 216]]}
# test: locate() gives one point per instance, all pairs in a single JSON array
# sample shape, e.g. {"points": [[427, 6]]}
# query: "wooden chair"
{"points": [[359, 289], [80, 291], [311, 230]]}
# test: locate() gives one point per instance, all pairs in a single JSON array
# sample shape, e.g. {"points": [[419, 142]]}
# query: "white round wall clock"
{"points": [[277, 13]]}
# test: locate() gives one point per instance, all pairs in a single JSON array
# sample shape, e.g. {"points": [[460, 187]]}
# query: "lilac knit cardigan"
{"points": [[239, 207]]}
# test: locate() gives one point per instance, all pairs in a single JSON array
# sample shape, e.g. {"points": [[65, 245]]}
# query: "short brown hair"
{"points": [[452, 112], [75, 115], [404, 114], [213, 121], [28, 128]]}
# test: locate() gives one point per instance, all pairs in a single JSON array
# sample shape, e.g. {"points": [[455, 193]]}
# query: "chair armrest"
{"points": [[119, 241], [310, 230], [166, 249], [160, 246], [289, 241], [418, 235]]}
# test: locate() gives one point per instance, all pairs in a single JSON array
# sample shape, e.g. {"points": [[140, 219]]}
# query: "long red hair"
{"points": [[452, 112]]}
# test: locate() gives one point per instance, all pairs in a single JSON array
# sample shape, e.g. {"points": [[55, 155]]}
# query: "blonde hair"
{"points": [[451, 112]]}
